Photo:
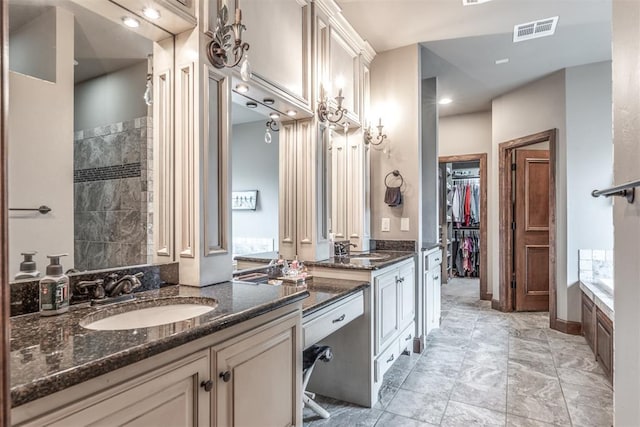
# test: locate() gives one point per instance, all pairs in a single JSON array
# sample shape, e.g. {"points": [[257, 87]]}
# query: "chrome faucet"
{"points": [[111, 289], [342, 248]]}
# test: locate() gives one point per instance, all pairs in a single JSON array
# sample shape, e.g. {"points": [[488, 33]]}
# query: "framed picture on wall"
{"points": [[244, 200]]}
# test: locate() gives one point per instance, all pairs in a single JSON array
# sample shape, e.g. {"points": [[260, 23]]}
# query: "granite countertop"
{"points": [[265, 257], [601, 294], [49, 354], [359, 261]]}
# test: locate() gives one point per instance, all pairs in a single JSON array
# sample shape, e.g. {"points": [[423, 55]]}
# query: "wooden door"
{"points": [[531, 237]]}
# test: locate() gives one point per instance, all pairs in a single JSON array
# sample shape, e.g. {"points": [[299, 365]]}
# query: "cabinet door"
{"points": [[169, 396], [259, 377], [429, 306], [588, 320], [437, 301], [386, 322], [604, 342], [407, 294]]}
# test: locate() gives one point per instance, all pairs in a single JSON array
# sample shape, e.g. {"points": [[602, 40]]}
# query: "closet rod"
{"points": [[466, 177], [627, 191]]}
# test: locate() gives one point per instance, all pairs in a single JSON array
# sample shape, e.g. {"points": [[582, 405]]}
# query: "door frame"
{"points": [[5, 333], [506, 218], [485, 295]]}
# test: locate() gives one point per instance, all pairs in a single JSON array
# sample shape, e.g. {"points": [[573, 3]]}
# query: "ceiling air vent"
{"points": [[533, 30], [473, 2]]}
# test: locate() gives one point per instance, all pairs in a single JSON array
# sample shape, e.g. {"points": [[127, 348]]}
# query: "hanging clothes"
{"points": [[465, 208], [466, 247], [455, 204]]}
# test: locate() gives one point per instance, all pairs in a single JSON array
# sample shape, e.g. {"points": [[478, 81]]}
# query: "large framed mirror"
{"points": [[90, 95]]}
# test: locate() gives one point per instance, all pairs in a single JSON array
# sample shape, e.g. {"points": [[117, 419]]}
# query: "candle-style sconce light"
{"points": [[227, 48], [379, 139], [325, 112]]}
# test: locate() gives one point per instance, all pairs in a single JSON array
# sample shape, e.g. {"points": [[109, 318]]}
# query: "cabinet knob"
{"points": [[408, 337], [339, 319], [226, 376], [390, 359], [207, 385]]}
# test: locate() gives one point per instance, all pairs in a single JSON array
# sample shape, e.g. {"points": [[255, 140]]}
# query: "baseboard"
{"points": [[567, 326], [495, 304], [486, 297]]}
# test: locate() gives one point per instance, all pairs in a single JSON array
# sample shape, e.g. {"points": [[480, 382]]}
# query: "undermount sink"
{"points": [[146, 315]]}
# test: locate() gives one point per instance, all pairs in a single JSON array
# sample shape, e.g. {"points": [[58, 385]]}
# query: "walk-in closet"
{"points": [[460, 201]]}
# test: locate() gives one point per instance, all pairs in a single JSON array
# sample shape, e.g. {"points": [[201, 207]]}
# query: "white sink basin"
{"points": [[149, 316]]}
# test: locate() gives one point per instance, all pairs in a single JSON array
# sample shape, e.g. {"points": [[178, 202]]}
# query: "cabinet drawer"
{"points": [[333, 319], [406, 338], [386, 359], [433, 260]]}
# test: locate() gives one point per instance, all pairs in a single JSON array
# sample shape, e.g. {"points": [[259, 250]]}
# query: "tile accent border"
{"points": [[129, 170]]}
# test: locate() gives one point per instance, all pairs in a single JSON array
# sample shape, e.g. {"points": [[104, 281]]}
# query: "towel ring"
{"points": [[396, 174]]}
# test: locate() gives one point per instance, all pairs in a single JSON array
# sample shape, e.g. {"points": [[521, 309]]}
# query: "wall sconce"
{"points": [[272, 126], [368, 136], [222, 52], [324, 111]]}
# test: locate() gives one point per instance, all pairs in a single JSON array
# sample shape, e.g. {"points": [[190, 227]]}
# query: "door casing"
{"points": [[506, 302]]}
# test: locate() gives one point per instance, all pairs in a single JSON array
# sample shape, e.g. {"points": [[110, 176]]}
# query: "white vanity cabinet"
{"points": [[365, 349], [248, 374], [431, 261]]}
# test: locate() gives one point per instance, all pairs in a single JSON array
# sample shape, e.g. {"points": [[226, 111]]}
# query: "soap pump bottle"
{"points": [[27, 267], [54, 289]]}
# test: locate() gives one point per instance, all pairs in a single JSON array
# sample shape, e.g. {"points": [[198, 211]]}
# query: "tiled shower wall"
{"points": [[113, 195]]}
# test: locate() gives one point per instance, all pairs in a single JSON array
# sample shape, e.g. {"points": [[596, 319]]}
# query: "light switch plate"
{"points": [[404, 224], [386, 224]]}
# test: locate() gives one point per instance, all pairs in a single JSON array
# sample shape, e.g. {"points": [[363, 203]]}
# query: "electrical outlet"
{"points": [[404, 224], [386, 224]]}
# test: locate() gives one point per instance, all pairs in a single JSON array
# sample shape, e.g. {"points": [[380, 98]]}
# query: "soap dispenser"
{"points": [[27, 267], [54, 288]]}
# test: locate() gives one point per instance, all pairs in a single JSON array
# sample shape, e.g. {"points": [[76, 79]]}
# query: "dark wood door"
{"points": [[531, 237]]}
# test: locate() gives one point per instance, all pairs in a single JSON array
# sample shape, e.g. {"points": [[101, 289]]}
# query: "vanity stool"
{"points": [[309, 358]]}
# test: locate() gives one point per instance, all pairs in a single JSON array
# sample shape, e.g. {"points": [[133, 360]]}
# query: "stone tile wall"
{"points": [[112, 192]]}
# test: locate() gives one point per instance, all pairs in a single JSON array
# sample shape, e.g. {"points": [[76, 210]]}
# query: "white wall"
{"points": [[41, 156], [530, 109], [590, 166], [255, 167], [626, 101], [395, 90], [31, 51], [111, 98]]}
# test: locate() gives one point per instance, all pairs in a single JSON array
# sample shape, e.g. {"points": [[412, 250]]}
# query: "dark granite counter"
{"points": [[364, 260], [265, 257], [49, 354]]}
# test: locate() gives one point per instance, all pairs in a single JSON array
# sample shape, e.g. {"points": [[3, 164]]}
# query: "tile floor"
{"points": [[486, 368]]}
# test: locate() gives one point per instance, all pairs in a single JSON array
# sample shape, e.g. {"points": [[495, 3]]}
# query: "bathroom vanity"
{"points": [[183, 373]]}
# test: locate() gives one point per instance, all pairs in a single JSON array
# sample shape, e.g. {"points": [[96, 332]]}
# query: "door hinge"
{"points": [[513, 284], [513, 225], [513, 166]]}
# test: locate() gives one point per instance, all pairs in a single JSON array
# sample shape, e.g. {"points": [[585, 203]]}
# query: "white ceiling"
{"points": [[462, 43]]}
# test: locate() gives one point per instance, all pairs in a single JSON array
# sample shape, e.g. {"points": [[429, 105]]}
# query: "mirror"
{"points": [[81, 134], [254, 178]]}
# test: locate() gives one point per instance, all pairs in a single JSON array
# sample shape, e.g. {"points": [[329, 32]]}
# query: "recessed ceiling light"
{"points": [[445, 101], [268, 101], [274, 116], [151, 13], [251, 104], [502, 61], [291, 113], [241, 88], [130, 22], [473, 2]]}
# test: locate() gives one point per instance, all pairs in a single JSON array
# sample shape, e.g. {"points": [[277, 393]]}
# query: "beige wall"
{"points": [[41, 156], [395, 83], [466, 134], [626, 101]]}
